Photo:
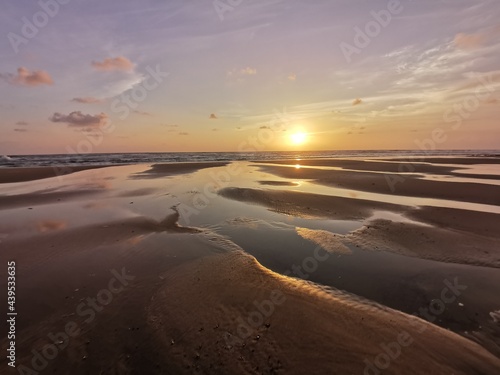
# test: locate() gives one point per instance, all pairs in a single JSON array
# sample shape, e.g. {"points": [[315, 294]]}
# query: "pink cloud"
{"points": [[116, 63], [469, 41], [87, 100], [79, 120], [25, 77], [242, 72]]}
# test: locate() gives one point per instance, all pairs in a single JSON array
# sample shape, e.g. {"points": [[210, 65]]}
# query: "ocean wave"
{"points": [[175, 157]]}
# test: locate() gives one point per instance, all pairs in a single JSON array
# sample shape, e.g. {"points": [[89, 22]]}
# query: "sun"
{"points": [[298, 138]]}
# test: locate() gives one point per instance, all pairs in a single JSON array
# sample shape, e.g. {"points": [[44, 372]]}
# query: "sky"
{"points": [[79, 76]]}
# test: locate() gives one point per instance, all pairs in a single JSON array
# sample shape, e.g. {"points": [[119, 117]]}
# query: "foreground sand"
{"points": [[195, 302]]}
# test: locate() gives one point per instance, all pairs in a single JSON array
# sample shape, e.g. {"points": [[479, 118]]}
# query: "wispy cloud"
{"points": [[143, 113], [239, 75]]}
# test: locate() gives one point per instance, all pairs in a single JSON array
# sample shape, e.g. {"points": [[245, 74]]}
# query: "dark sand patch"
{"points": [[394, 184], [278, 183], [425, 242], [452, 160], [8, 175], [137, 192], [365, 165], [474, 222], [40, 198], [305, 204], [170, 169], [417, 166]]}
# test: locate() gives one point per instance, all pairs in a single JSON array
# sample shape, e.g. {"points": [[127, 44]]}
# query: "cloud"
{"points": [[469, 41], [213, 116], [80, 120], [357, 101], [87, 100], [239, 75], [21, 130], [243, 72], [183, 133], [22, 123], [264, 127], [116, 63], [215, 129], [292, 77], [143, 113], [25, 77]]}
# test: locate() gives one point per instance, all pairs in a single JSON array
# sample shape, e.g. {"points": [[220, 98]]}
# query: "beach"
{"points": [[323, 266]]}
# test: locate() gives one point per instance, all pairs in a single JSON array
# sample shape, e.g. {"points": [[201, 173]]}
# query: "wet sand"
{"points": [[387, 181], [211, 289], [28, 174], [169, 169]]}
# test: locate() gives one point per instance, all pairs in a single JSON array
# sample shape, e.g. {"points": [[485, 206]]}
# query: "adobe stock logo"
{"points": [[372, 29], [31, 26], [224, 6]]}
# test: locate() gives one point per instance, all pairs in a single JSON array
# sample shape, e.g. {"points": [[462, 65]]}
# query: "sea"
{"points": [[9, 161]]}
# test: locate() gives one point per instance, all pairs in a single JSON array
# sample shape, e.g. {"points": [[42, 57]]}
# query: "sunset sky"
{"points": [[204, 75]]}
